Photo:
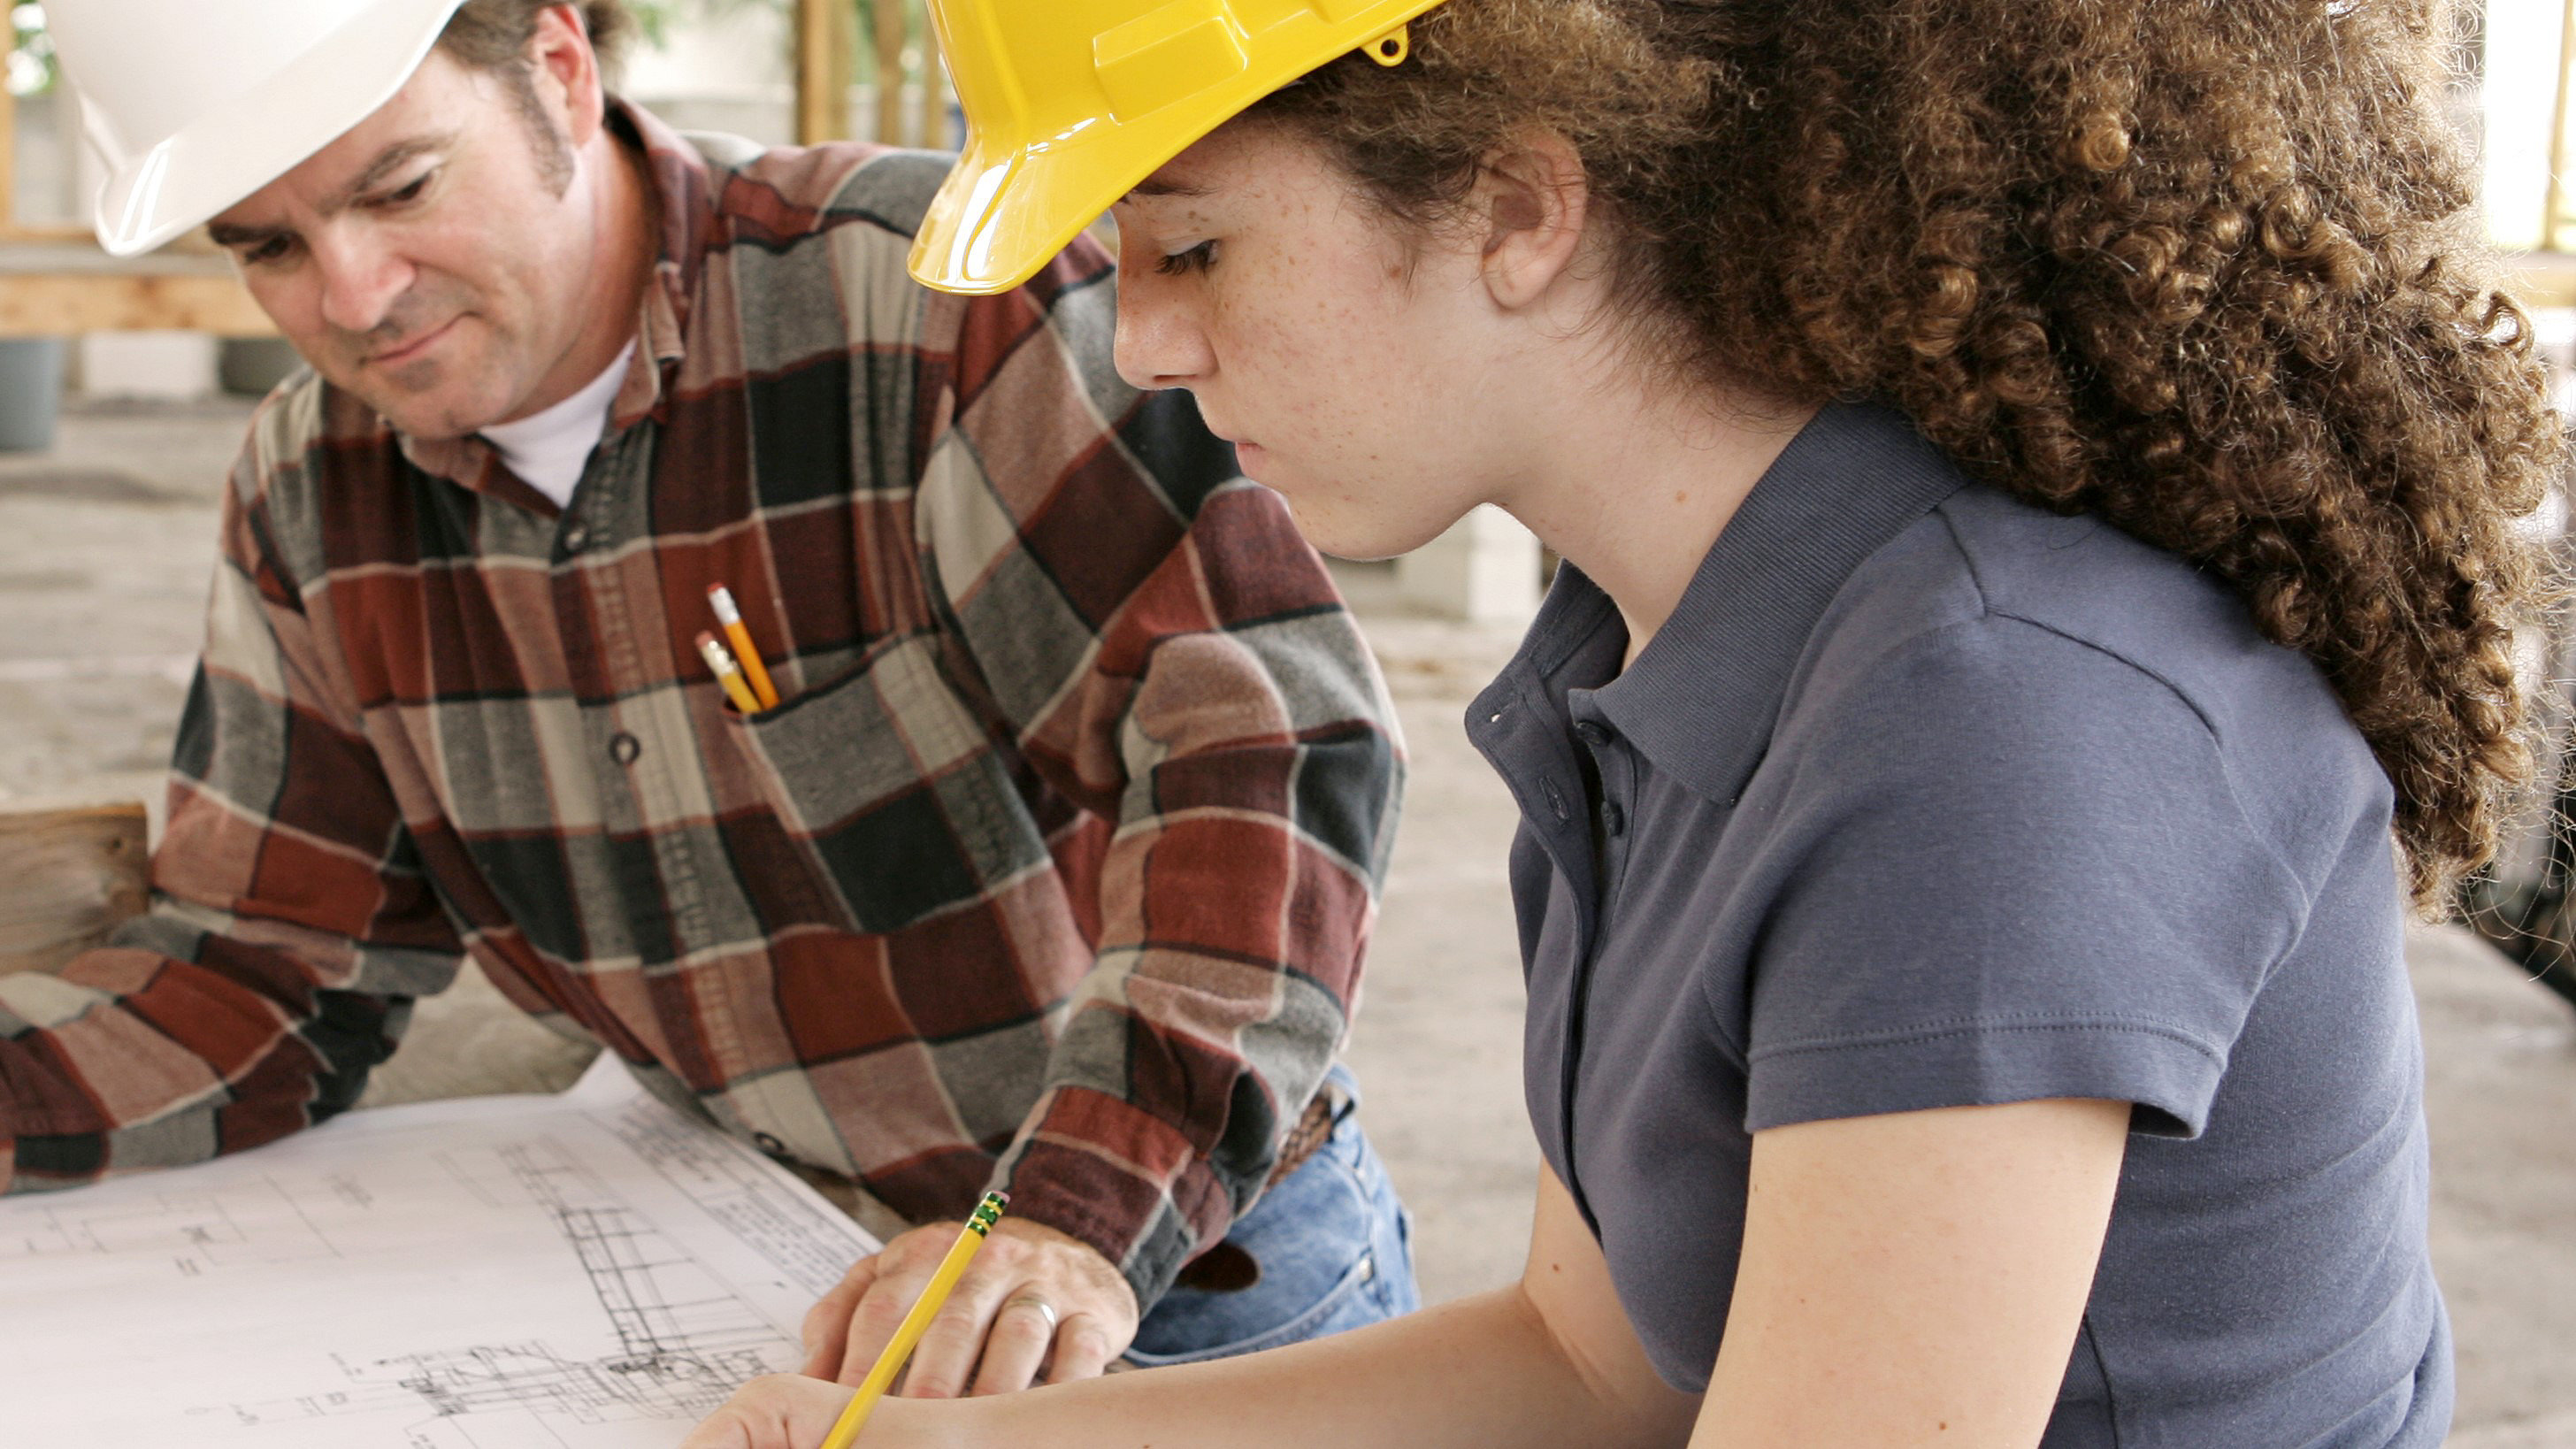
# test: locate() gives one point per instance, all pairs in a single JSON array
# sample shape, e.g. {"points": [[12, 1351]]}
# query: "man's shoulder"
{"points": [[788, 189]]}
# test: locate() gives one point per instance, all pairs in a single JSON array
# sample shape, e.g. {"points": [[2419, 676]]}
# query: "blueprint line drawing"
{"points": [[195, 1232], [685, 1341], [595, 1271]]}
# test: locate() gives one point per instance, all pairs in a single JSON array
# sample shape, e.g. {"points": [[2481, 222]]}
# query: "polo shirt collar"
{"points": [[1701, 699]]}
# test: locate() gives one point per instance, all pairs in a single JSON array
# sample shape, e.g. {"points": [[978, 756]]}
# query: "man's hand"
{"points": [[1033, 1298]]}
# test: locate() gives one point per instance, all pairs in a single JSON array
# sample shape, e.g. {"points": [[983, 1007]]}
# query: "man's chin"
{"points": [[425, 417]]}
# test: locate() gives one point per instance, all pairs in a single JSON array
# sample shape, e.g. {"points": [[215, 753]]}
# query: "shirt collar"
{"points": [[680, 185], [1701, 698]]}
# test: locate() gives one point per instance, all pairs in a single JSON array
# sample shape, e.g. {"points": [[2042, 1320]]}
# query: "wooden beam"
{"points": [[8, 125], [2542, 279], [891, 15], [2554, 207], [67, 878], [37, 304], [823, 63]]}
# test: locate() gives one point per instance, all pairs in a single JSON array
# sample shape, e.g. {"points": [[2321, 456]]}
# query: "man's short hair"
{"points": [[493, 35]]}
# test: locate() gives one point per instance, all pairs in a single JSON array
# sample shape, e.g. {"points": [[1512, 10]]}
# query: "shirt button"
{"points": [[1613, 819], [1591, 734], [576, 538], [1556, 802], [769, 1144], [624, 748]]}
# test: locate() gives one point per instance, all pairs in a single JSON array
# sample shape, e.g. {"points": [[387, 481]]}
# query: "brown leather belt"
{"points": [[1314, 1128]]}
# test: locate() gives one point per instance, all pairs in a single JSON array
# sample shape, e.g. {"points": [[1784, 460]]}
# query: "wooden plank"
{"points": [[67, 877], [2554, 208], [891, 15], [2542, 279], [66, 305], [8, 126], [823, 61]]}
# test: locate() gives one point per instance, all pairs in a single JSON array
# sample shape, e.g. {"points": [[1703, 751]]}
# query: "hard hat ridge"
{"points": [[1070, 103], [192, 106]]}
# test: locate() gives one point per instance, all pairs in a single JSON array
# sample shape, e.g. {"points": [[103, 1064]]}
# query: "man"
{"points": [[1051, 871]]}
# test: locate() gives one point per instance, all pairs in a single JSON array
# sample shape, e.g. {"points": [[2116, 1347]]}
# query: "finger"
{"points": [[1083, 1349], [955, 1339], [780, 1411], [1022, 1333], [872, 1324], [827, 1323]]}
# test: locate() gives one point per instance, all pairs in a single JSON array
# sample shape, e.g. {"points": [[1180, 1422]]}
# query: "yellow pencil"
{"points": [[721, 599], [889, 1363], [726, 675]]}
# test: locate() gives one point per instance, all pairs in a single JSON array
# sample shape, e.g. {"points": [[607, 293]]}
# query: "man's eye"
{"points": [[273, 249], [410, 192], [1197, 259]]}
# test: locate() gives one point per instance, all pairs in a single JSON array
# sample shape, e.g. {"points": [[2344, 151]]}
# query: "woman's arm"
{"points": [[1548, 1363], [1914, 1278]]}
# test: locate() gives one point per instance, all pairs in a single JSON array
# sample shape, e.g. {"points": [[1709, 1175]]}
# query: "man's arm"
{"points": [[289, 927], [1172, 658]]}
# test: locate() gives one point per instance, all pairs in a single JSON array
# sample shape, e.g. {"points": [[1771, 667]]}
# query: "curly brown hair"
{"points": [[2206, 271]]}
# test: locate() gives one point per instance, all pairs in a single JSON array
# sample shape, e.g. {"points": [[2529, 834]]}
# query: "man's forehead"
{"points": [[328, 188], [421, 117]]}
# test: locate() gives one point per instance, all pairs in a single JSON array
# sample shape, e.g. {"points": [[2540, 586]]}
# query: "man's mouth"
{"points": [[396, 356]]}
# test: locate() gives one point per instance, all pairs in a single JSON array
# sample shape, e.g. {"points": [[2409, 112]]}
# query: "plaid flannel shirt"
{"points": [[1052, 870]]}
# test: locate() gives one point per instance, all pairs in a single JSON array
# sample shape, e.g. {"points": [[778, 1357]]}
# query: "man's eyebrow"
{"points": [[389, 160], [224, 234], [386, 163]]}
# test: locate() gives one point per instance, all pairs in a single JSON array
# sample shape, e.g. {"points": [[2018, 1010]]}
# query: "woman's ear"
{"points": [[1533, 197]]}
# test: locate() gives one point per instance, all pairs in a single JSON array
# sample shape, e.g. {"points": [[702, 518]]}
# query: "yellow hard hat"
{"points": [[1070, 103]]}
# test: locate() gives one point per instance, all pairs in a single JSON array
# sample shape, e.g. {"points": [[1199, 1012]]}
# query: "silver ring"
{"points": [[1031, 1300]]}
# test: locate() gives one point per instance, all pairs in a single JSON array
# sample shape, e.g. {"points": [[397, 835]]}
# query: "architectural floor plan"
{"points": [[562, 1272]]}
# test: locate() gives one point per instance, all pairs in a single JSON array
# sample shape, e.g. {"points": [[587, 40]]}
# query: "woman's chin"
{"points": [[1337, 532]]}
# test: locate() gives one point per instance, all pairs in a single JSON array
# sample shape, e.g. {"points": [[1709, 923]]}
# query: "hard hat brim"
{"points": [[1013, 201], [230, 152]]}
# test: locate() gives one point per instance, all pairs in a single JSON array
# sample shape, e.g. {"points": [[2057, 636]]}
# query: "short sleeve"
{"points": [[2021, 871]]}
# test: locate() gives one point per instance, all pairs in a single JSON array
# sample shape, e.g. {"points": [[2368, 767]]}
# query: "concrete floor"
{"points": [[105, 543]]}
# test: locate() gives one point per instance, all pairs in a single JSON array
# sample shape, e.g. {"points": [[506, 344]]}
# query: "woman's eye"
{"points": [[1197, 259]]}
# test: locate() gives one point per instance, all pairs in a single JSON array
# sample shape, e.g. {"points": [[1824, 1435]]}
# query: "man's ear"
{"points": [[567, 71], [1533, 197]]}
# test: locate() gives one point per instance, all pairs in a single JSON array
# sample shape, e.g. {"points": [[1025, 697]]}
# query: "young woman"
{"points": [[2036, 479]]}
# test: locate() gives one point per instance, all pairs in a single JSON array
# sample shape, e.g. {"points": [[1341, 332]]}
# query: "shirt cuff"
{"points": [[2169, 1073]]}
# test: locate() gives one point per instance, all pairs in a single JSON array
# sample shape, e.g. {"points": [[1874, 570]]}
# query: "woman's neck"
{"points": [[1633, 481]]}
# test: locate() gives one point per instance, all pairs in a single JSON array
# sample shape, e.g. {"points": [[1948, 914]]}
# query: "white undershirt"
{"points": [[549, 449]]}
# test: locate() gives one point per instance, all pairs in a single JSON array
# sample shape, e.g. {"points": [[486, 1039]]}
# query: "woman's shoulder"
{"points": [[2059, 649]]}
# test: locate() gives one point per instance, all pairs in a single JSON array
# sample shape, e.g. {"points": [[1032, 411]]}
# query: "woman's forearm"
{"points": [[1482, 1373]]}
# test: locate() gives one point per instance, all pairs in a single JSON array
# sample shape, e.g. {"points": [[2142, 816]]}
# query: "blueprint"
{"points": [[589, 1271]]}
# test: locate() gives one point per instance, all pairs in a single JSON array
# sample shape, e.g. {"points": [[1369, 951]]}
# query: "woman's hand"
{"points": [[790, 1411]]}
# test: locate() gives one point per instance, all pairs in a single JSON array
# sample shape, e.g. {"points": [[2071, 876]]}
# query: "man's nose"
{"points": [[360, 281]]}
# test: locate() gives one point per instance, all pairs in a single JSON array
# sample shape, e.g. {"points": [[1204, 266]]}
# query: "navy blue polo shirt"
{"points": [[1926, 798]]}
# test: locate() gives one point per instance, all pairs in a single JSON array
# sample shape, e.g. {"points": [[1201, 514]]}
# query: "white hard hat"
{"points": [[194, 104]]}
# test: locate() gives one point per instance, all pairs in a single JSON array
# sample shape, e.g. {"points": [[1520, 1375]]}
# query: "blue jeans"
{"points": [[1334, 1248]]}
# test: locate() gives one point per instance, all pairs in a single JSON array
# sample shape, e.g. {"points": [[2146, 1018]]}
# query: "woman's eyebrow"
{"points": [[1152, 186]]}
